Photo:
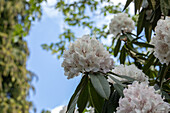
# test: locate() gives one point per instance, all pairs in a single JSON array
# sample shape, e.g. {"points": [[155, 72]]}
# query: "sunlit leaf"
{"points": [[122, 55], [75, 96], [96, 100], [83, 99], [119, 89], [111, 104], [141, 21], [101, 85], [117, 47], [127, 4]]}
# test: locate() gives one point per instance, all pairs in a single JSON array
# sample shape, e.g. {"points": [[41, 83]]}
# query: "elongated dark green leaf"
{"points": [[96, 100], [117, 47], [166, 2], [83, 99], [111, 104], [130, 38], [130, 47], [162, 73], [127, 4], [138, 4], [166, 95], [119, 89], [123, 76], [148, 31], [156, 17], [142, 44], [149, 62], [140, 21], [156, 87], [127, 78], [101, 85], [117, 81], [122, 55], [153, 2], [73, 103], [164, 9], [75, 96]]}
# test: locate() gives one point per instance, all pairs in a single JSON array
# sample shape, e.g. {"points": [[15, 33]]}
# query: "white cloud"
{"points": [[50, 11], [49, 8], [57, 109]]}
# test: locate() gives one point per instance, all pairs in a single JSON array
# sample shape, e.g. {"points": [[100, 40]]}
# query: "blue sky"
{"points": [[52, 88]]}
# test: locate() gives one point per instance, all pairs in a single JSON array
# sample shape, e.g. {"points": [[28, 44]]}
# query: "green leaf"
{"points": [[83, 99], [129, 37], [122, 55], [119, 89], [138, 4], [117, 47], [75, 96], [123, 76], [141, 21], [162, 73], [148, 62], [164, 9], [117, 81], [113, 101], [142, 44], [156, 16], [153, 2], [166, 95], [111, 104], [96, 100], [100, 84], [156, 87], [127, 4], [166, 2], [148, 31]]}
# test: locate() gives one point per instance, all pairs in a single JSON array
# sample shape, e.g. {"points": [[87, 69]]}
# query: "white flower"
{"points": [[130, 71], [86, 55], [162, 41], [121, 22], [90, 110], [65, 109], [141, 98]]}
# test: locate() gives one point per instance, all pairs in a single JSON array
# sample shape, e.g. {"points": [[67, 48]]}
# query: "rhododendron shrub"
{"points": [[137, 79]]}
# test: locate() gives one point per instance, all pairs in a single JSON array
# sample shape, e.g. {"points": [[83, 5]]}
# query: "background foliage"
{"points": [[16, 17]]}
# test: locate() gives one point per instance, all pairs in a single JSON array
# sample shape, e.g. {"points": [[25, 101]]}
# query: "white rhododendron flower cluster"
{"points": [[141, 98], [130, 71], [121, 22], [161, 41], [86, 55]]}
